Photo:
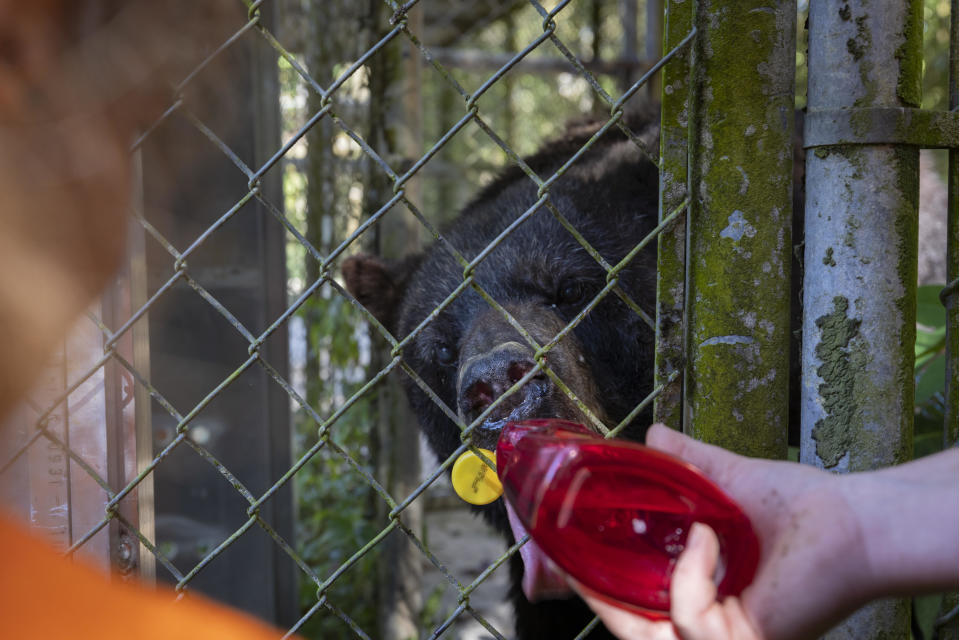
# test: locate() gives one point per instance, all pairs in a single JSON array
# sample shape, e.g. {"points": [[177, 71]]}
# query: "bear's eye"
{"points": [[445, 355], [570, 293]]}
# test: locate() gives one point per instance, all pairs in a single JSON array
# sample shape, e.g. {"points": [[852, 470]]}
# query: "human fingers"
{"points": [[715, 462], [627, 625], [692, 592], [696, 612], [739, 622]]}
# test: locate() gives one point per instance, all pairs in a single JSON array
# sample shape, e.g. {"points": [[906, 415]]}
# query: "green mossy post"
{"points": [[671, 268], [952, 255], [861, 255], [743, 73]]}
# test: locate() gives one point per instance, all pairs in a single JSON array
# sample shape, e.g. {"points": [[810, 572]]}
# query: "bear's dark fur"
{"points": [[468, 354]]}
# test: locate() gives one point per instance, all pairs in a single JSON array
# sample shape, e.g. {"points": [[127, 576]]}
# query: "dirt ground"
{"points": [[466, 546]]}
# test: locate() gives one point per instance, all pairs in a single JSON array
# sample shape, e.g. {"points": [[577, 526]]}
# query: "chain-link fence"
{"points": [[244, 260]]}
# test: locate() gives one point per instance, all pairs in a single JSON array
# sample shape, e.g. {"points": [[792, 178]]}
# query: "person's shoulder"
{"points": [[58, 597]]}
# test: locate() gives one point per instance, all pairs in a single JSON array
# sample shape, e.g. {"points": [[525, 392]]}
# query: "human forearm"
{"points": [[910, 518], [831, 543]]}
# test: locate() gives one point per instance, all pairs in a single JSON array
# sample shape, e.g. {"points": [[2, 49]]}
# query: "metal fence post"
{"points": [[188, 184], [629, 12], [738, 258], [671, 261], [654, 40], [396, 128], [952, 251], [861, 256], [948, 624]]}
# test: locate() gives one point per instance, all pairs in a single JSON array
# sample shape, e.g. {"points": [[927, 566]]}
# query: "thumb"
{"points": [[692, 591], [714, 461]]}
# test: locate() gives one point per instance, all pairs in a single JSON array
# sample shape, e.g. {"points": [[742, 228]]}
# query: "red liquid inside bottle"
{"points": [[614, 514]]}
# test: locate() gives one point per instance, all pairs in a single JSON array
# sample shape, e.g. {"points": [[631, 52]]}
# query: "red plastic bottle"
{"points": [[614, 514]]}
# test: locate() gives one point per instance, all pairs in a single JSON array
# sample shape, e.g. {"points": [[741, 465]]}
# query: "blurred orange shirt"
{"points": [[45, 595]]}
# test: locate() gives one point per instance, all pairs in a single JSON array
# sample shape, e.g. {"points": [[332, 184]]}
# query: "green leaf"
{"points": [[926, 609], [929, 310], [930, 380], [929, 343], [926, 444]]}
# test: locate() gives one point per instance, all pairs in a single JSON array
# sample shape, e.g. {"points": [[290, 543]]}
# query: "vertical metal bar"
{"points": [[861, 257], [402, 561], [146, 520], [396, 127], [596, 24], [265, 130], [654, 41], [509, 85], [952, 251], [93, 427], [115, 426], [629, 15], [671, 263], [740, 216], [49, 466], [949, 630]]}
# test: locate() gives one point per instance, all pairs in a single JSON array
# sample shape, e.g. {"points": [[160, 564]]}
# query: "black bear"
{"points": [[469, 353]]}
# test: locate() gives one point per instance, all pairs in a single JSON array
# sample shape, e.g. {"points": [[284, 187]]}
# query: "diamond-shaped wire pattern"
{"points": [[337, 113]]}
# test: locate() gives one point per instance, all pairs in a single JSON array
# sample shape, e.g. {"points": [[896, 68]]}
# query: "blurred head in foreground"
{"points": [[78, 80]]}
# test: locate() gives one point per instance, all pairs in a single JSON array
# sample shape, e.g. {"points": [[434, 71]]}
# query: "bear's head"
{"points": [[510, 294]]}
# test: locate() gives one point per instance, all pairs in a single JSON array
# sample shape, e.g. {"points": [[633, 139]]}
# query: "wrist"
{"points": [[846, 544], [814, 559], [868, 568], [907, 522]]}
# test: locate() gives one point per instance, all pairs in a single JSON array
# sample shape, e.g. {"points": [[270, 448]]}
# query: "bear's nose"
{"points": [[486, 377]]}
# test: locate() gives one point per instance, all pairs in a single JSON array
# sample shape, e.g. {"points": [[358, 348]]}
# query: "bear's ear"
{"points": [[379, 285]]}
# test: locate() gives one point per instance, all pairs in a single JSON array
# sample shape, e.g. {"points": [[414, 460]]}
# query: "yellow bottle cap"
{"points": [[473, 480]]}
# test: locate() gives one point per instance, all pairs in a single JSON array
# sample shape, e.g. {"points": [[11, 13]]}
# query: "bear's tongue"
{"points": [[542, 580]]}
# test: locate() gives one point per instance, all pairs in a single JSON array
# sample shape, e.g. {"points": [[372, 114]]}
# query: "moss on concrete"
{"points": [[862, 42], [845, 12], [907, 232], [854, 384], [909, 55], [834, 434], [858, 46]]}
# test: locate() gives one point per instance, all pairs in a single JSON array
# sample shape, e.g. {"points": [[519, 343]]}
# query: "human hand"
{"points": [[809, 572], [696, 614]]}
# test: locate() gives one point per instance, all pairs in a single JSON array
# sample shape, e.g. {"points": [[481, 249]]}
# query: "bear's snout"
{"points": [[486, 377]]}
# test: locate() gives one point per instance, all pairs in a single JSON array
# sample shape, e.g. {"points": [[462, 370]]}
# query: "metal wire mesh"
{"points": [[470, 114], [326, 268]]}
